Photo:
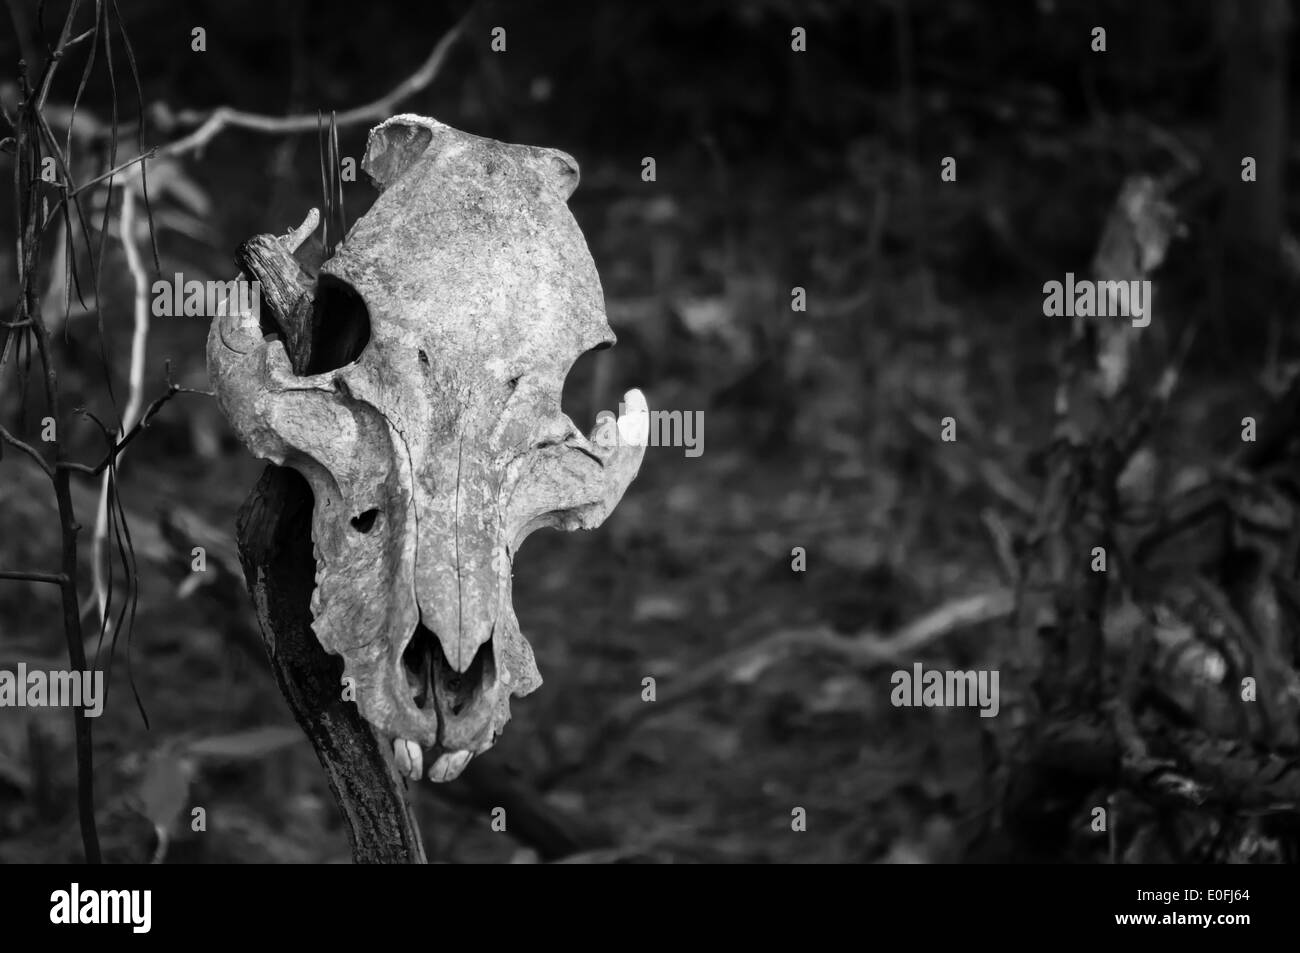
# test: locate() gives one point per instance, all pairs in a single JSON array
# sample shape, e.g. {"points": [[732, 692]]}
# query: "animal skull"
{"points": [[442, 446]]}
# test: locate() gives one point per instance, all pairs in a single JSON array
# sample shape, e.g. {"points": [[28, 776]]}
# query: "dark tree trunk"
{"points": [[274, 533]]}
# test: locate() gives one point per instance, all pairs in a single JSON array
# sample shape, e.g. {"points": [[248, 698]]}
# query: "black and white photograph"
{"points": [[746, 432]]}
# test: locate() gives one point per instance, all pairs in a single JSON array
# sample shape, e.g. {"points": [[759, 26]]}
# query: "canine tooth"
{"points": [[449, 766], [409, 758], [634, 426]]}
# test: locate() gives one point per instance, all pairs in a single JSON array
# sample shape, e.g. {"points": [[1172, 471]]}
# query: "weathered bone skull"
{"points": [[442, 446]]}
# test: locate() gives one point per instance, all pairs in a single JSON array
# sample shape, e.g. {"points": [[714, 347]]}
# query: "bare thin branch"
{"points": [[139, 338], [56, 578], [121, 167], [218, 119], [28, 203], [748, 661], [120, 445], [28, 449]]}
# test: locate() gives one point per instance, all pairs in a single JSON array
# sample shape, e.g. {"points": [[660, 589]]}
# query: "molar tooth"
{"points": [[409, 758], [449, 766]]}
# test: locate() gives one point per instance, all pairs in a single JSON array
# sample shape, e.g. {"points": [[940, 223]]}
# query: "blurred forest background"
{"points": [[776, 169]]}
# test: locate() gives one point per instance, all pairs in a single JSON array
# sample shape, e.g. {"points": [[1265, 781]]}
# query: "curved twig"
{"points": [[218, 119]]}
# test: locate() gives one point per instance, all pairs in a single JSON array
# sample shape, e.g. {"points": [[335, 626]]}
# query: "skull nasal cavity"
{"points": [[432, 680], [459, 690], [365, 522], [340, 325]]}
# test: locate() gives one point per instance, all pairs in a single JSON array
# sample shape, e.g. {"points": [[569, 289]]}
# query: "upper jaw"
{"points": [[441, 718]]}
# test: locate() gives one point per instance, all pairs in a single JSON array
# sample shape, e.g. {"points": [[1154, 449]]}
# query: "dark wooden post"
{"points": [[275, 549]]}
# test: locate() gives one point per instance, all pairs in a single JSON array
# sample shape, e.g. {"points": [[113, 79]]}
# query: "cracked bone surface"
{"points": [[449, 766], [434, 453], [409, 758]]}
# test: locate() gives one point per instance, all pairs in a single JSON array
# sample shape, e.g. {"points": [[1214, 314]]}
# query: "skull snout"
{"points": [[455, 706]]}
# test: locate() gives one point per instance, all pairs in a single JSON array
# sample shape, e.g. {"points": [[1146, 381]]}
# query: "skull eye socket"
{"points": [[365, 522], [342, 325]]}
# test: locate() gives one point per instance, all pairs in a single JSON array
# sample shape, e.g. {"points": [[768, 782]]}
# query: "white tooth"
{"points": [[634, 425], [417, 760], [449, 766], [409, 758]]}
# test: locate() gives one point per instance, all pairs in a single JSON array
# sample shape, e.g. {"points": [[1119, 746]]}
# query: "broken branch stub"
{"points": [[440, 444]]}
